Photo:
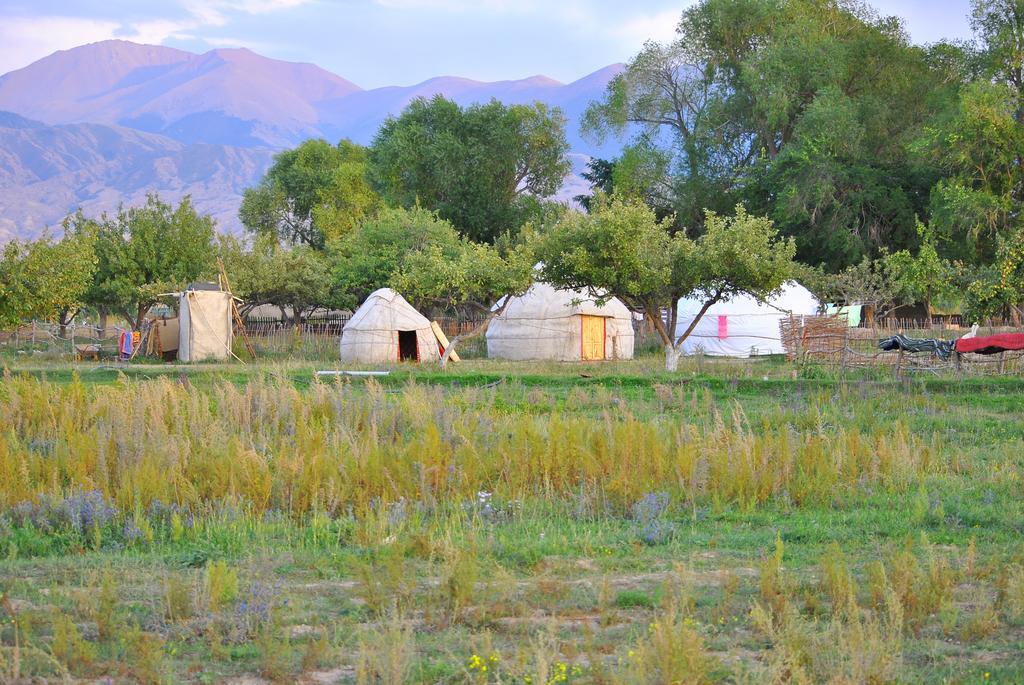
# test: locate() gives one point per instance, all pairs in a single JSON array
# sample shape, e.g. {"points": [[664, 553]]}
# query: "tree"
{"points": [[669, 93], [312, 194], [998, 289], [477, 167], [979, 149], [622, 250], [370, 256], [924, 277], [44, 278], [466, 276], [802, 109], [292, 277], [145, 251], [868, 283], [999, 27], [600, 174]]}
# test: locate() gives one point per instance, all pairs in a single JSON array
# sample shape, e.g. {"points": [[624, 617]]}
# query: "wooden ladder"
{"points": [[239, 323]]}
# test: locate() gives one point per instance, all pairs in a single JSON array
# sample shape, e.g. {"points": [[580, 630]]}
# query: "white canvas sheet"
{"points": [[742, 326], [205, 328]]}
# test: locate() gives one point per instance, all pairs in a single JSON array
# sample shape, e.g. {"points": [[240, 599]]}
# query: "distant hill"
{"points": [[230, 97], [48, 171], [107, 121]]}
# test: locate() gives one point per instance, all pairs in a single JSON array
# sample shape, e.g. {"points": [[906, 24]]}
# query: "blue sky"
{"points": [[396, 42]]}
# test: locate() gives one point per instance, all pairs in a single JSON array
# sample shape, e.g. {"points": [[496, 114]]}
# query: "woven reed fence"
{"points": [[829, 341]]}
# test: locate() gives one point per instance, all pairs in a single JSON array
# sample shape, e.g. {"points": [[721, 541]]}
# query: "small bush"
{"points": [[634, 599], [178, 601], [221, 585]]}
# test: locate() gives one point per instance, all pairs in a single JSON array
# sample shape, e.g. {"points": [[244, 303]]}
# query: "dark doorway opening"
{"points": [[408, 350]]}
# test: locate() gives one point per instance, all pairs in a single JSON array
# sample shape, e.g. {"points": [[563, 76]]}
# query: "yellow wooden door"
{"points": [[593, 337]]}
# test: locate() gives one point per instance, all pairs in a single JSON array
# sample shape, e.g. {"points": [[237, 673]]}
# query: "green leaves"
{"points": [[312, 195], [40, 279], [372, 254], [297, 277], [622, 250], [802, 110], [477, 167], [145, 251], [737, 254], [979, 150]]}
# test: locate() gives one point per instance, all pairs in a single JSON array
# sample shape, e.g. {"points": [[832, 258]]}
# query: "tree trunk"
{"points": [[868, 310], [128, 317], [693, 324], [143, 310], [672, 354], [479, 330], [103, 323]]}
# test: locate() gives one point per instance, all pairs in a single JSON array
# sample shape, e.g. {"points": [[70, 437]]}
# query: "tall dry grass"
{"points": [[335, 447]]}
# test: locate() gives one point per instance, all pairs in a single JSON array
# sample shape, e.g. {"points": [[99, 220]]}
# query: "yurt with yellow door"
{"points": [[562, 325], [386, 328]]}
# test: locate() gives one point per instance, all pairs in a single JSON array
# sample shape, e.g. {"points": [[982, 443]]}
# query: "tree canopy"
{"points": [[292, 277], [45, 278], [370, 256], [621, 249], [145, 251], [802, 109], [313, 194], [484, 168]]}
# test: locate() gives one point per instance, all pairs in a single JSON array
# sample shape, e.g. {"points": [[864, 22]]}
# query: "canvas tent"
{"points": [[386, 328], [204, 324], [743, 326], [565, 325]]}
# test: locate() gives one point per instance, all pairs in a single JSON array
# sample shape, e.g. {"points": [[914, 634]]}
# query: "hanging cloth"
{"points": [[127, 344], [991, 344]]}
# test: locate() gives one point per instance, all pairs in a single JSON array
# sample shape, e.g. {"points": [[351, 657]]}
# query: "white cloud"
{"points": [[457, 5], [660, 27], [211, 12], [155, 32], [264, 6], [26, 39]]}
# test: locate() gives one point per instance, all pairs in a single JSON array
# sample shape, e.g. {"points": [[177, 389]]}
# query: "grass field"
{"points": [[509, 523]]}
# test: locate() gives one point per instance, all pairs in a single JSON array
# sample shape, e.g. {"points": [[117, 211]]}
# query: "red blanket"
{"points": [[991, 344]]}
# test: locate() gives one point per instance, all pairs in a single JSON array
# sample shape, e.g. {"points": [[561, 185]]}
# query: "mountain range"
{"points": [[105, 123]]}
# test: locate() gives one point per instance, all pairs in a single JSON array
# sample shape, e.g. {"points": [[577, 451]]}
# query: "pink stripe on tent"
{"points": [[723, 326]]}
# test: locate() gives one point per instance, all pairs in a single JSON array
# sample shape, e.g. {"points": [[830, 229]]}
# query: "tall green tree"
{"points": [[999, 29], [484, 168], [803, 109], [312, 194], [620, 249], [45, 278], [978, 144], [145, 251], [979, 149], [924, 277]]}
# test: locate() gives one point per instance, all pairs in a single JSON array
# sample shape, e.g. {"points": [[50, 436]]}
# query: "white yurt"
{"points": [[205, 329], [743, 326], [545, 323], [386, 328]]}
